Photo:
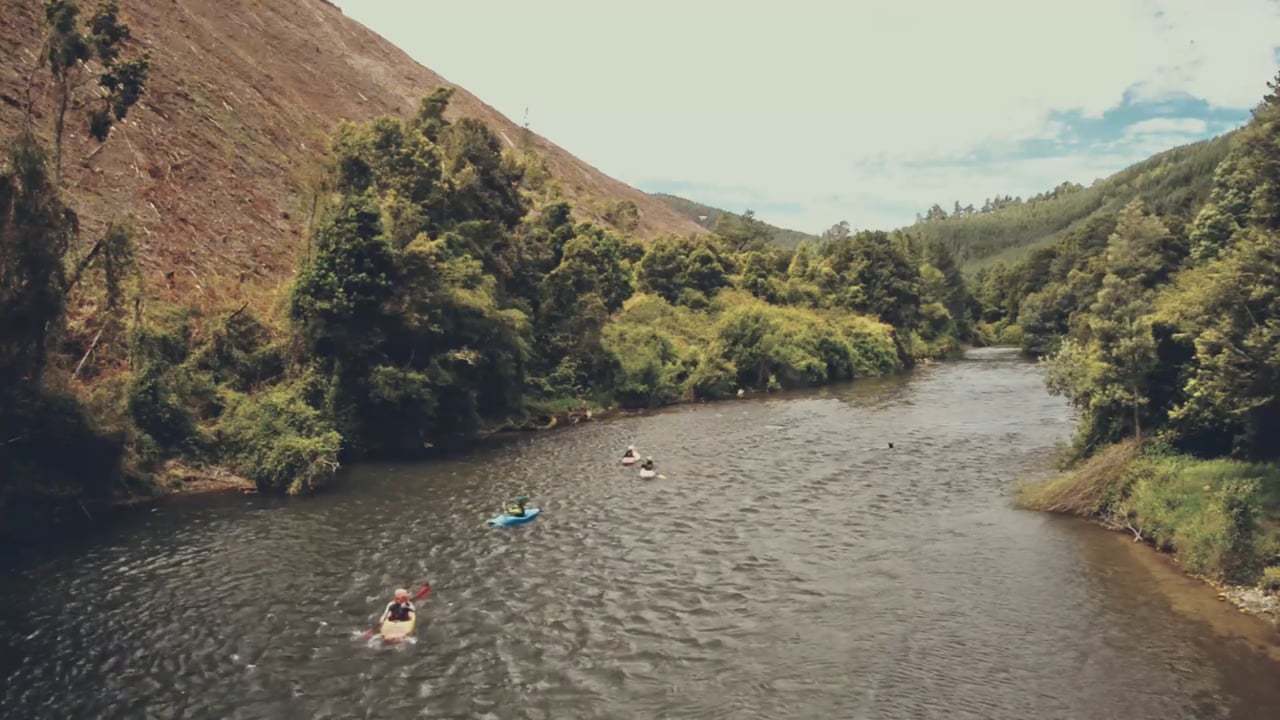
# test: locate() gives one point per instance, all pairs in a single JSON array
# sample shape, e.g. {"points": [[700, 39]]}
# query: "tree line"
{"points": [[1161, 324]]}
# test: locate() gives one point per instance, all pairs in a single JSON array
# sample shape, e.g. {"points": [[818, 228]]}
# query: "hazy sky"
{"points": [[816, 111]]}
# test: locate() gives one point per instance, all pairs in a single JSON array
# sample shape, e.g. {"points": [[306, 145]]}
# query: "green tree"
{"points": [[953, 290], [662, 269], [68, 49], [623, 215], [36, 230], [743, 233], [338, 306], [757, 276], [836, 233], [1229, 310], [887, 280], [1108, 372]]}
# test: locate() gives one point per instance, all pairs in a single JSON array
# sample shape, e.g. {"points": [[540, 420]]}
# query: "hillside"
{"points": [[707, 217], [243, 93], [1173, 182]]}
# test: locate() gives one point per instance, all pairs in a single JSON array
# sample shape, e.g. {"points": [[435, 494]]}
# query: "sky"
{"points": [[810, 112]]}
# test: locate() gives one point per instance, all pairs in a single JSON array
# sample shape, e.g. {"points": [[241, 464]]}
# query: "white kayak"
{"points": [[397, 631], [630, 460], [647, 474]]}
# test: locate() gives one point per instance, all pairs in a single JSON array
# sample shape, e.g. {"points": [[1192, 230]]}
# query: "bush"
{"points": [[239, 352], [668, 353], [279, 441], [59, 448], [652, 371], [985, 335], [157, 346], [1271, 579], [1208, 511], [802, 347], [714, 378], [1010, 335]]}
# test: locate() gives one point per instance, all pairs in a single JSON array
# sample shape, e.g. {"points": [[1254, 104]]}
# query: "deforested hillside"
{"points": [[211, 167]]}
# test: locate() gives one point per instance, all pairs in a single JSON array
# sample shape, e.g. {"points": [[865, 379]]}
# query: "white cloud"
{"points": [[802, 99], [1176, 126]]}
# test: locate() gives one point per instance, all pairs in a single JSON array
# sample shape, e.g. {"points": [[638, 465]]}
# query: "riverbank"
{"points": [[1217, 520], [183, 477], [285, 585]]}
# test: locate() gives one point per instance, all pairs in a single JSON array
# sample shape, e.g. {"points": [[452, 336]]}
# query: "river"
{"points": [[790, 565]]}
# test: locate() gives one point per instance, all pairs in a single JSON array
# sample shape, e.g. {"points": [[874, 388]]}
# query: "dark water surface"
{"points": [[790, 566]]}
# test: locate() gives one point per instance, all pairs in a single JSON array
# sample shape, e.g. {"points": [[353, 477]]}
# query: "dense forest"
{"points": [[443, 289], [1160, 322], [1172, 183]]}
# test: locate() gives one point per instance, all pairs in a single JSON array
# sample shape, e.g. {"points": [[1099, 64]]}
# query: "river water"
{"points": [[790, 565]]}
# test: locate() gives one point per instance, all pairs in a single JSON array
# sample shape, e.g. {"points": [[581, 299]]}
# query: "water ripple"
{"points": [[791, 565]]}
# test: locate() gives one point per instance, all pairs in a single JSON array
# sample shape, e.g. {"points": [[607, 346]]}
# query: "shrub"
{"points": [[1208, 511], [279, 441], [1271, 579], [157, 345], [1010, 335]]}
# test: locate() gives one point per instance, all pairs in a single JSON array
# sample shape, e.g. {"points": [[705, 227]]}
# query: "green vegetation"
{"points": [[1161, 324], [1172, 183], [443, 289], [46, 431], [710, 218], [1218, 515]]}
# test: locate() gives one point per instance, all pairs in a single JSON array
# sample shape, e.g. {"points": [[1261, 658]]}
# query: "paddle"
{"points": [[422, 592]]}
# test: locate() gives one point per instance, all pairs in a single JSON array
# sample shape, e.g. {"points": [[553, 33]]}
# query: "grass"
{"points": [[1089, 490], [1219, 516]]}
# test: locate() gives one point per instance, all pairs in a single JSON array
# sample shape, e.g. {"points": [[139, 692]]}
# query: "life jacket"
{"points": [[399, 612]]}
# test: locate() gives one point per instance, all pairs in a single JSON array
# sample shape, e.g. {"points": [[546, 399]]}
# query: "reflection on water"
{"points": [[791, 565]]}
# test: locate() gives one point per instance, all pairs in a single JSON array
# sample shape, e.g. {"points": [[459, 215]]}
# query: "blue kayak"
{"points": [[505, 519]]}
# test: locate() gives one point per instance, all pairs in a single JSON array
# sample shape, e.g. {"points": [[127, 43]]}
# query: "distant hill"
{"points": [[1175, 181], [242, 97], [707, 216]]}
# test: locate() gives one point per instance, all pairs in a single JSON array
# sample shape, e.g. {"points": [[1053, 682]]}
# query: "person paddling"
{"points": [[398, 610], [515, 508], [648, 464], [630, 453]]}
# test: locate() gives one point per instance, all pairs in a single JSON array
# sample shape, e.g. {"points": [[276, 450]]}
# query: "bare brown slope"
{"points": [[243, 92]]}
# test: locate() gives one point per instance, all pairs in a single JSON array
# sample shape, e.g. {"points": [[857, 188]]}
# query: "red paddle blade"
{"points": [[423, 592]]}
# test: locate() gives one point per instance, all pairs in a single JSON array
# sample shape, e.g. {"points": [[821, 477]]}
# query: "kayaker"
{"points": [[648, 464], [398, 610], [630, 453], [515, 508]]}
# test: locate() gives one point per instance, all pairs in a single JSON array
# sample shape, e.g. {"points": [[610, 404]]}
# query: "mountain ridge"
{"points": [[210, 166], [694, 210], [1175, 181]]}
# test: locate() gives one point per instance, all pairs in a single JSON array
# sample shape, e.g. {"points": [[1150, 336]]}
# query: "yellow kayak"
{"points": [[396, 631]]}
